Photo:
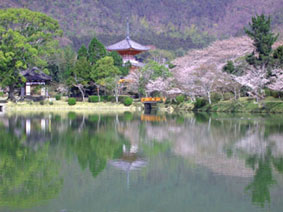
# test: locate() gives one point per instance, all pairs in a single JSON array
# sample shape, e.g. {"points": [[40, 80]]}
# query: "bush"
{"points": [[215, 97], [1, 94], [228, 96], [276, 94], [111, 99], [199, 103], [72, 101], [93, 98], [267, 92], [58, 97], [50, 103], [41, 102], [180, 99], [122, 98], [128, 101]]}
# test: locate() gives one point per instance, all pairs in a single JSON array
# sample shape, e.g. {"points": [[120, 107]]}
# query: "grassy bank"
{"points": [[63, 106], [243, 105]]}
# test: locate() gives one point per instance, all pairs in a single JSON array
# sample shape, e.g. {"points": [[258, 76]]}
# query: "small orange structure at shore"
{"points": [[153, 100]]}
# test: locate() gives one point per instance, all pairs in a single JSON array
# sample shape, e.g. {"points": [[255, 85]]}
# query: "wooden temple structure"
{"points": [[35, 77], [128, 49]]}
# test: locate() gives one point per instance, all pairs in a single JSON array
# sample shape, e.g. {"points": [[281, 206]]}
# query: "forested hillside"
{"points": [[168, 24]]}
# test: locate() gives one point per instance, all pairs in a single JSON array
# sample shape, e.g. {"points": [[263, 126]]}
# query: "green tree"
{"points": [[96, 51], [278, 56], [24, 39], [67, 61], [105, 74], [263, 39], [82, 52], [229, 67], [118, 62], [80, 75]]}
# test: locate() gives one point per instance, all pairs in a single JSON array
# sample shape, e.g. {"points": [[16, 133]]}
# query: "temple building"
{"points": [[35, 77], [128, 48]]}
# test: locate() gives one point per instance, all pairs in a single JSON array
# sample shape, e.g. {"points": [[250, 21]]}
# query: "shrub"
{"points": [[72, 101], [276, 94], [215, 97], [121, 98], [93, 98], [200, 102], [128, 101], [227, 96], [58, 97], [111, 99], [41, 102], [1, 94], [180, 99], [50, 103]]}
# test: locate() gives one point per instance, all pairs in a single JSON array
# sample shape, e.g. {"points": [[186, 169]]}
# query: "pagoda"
{"points": [[128, 48]]}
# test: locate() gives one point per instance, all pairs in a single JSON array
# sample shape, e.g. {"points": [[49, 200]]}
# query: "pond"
{"points": [[137, 162]]}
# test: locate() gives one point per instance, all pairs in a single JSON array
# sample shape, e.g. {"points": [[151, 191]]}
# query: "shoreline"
{"points": [[60, 106], [241, 106]]}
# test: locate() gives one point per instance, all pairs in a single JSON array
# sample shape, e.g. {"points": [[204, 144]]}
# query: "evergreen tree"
{"points": [[96, 51], [260, 32], [278, 56], [80, 75], [229, 67], [118, 62], [82, 52], [104, 73]]}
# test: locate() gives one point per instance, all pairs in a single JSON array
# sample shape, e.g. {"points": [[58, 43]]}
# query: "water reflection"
{"points": [[28, 173], [34, 149]]}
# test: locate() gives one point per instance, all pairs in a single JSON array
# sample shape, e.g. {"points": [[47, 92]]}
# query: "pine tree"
{"points": [[82, 52], [260, 32], [96, 51]]}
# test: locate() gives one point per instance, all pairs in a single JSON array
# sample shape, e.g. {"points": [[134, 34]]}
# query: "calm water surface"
{"points": [[134, 162]]}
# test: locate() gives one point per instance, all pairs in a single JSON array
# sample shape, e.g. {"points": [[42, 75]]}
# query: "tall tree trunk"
{"points": [[235, 93], [97, 89], [116, 93], [82, 92], [209, 97], [222, 95], [11, 93]]}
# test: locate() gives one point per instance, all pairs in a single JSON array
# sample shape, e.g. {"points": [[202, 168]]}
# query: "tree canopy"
{"points": [[25, 38], [96, 51], [263, 39]]}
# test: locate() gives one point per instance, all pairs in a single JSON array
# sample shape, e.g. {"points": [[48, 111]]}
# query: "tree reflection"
{"points": [[27, 177], [94, 146], [263, 178]]}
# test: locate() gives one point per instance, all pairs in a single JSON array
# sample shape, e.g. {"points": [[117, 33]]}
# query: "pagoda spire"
{"points": [[128, 29]]}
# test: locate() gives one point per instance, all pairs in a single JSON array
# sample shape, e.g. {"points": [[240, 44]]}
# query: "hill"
{"points": [[167, 24]]}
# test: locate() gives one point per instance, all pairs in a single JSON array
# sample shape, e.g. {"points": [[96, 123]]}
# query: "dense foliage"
{"points": [[26, 39], [263, 39]]}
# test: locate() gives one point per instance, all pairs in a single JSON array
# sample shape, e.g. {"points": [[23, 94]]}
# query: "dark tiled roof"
{"points": [[35, 74], [127, 44]]}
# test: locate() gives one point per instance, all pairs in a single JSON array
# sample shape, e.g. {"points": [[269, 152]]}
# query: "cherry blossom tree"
{"points": [[163, 86], [276, 80], [256, 80]]}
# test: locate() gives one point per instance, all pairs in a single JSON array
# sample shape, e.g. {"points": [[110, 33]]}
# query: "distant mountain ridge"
{"points": [[167, 24]]}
